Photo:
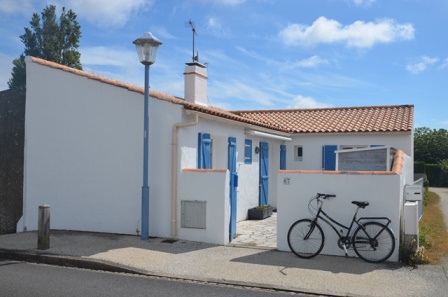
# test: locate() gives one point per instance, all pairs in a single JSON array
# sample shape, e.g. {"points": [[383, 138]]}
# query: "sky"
{"points": [[265, 54]]}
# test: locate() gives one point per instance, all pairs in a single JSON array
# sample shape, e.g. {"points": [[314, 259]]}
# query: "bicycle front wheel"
{"points": [[374, 243], [306, 238]]}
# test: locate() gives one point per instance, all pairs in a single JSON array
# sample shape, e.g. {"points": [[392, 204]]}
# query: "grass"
{"points": [[433, 234]]}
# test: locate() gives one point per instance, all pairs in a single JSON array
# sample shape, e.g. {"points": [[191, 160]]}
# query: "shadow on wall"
{"points": [[12, 138]]}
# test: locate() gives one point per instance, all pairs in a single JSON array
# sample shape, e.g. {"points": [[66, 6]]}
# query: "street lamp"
{"points": [[147, 47]]}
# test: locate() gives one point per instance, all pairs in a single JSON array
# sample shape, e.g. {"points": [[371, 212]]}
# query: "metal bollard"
{"points": [[43, 233]]}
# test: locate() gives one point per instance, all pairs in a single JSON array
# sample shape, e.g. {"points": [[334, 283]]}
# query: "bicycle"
{"points": [[372, 241]]}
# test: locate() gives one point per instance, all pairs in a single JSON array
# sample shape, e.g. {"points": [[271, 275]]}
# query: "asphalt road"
{"points": [[26, 279]]}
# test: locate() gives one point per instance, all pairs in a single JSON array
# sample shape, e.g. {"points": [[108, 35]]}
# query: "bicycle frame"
{"points": [[327, 219]]}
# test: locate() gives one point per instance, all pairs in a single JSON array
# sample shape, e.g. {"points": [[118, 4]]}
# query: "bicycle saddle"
{"points": [[361, 204]]}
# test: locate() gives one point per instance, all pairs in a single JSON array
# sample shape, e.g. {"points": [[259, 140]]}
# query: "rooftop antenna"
{"points": [[193, 30]]}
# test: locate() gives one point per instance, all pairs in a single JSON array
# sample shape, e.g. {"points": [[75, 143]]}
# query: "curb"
{"points": [[66, 261], [98, 265]]}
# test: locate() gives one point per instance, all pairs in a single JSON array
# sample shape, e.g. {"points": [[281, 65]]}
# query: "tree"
{"points": [[430, 146], [50, 40]]}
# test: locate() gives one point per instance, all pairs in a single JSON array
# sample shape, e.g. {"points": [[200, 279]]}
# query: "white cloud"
{"points": [[162, 33], [215, 27], [240, 91], [444, 64], [108, 13], [107, 56], [364, 3], [224, 2], [16, 6], [358, 34], [310, 62], [421, 64], [303, 102]]}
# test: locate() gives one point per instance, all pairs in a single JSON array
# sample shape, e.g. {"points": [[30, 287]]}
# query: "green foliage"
{"points": [[419, 167], [50, 39], [430, 146], [436, 175], [411, 256]]}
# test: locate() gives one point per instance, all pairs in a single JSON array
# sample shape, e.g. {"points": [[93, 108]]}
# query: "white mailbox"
{"points": [[413, 193]]}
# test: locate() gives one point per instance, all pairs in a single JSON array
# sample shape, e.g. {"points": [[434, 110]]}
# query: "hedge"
{"points": [[436, 176]]}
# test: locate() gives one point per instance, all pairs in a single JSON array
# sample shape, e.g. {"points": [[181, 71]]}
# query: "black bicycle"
{"points": [[372, 241]]}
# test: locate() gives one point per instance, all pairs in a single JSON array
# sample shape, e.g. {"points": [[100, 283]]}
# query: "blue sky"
{"points": [[266, 54]]}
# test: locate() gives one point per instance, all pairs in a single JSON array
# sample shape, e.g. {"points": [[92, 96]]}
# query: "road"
{"points": [[27, 279]]}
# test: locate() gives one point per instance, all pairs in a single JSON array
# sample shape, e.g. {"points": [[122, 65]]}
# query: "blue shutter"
{"points": [[329, 157], [264, 173], [247, 151], [204, 144], [282, 157]]}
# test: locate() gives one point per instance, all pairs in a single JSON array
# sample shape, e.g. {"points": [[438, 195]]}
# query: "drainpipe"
{"points": [[174, 171]]}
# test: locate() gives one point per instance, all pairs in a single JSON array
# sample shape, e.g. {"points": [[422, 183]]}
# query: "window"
{"points": [[351, 147], [298, 153], [247, 151], [204, 151]]}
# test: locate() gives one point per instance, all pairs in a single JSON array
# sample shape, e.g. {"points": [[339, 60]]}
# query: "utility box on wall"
{"points": [[193, 214]]}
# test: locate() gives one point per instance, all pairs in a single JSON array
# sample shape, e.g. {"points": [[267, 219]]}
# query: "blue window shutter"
{"points": [[282, 157], [329, 157], [204, 153], [247, 151]]}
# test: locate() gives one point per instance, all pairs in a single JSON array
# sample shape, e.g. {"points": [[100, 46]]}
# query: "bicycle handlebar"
{"points": [[325, 196]]}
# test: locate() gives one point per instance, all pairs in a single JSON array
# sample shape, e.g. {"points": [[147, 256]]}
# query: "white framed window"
{"points": [[351, 147], [298, 153]]}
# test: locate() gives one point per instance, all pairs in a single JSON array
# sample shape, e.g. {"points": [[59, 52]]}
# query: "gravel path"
{"points": [[443, 193]]}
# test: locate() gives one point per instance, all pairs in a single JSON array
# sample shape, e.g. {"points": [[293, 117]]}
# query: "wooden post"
{"points": [[43, 235]]}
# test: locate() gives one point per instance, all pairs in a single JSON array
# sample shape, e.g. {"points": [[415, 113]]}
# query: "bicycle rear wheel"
{"points": [[374, 243], [306, 238]]}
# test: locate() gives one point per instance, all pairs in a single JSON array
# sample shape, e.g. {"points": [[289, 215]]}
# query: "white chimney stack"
{"points": [[195, 77]]}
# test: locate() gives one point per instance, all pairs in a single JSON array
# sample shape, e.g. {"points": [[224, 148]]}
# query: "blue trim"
{"points": [[282, 157], [247, 151], [264, 174], [231, 163], [204, 152]]}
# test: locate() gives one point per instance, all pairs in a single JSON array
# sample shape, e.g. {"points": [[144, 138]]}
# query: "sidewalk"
{"points": [[333, 276]]}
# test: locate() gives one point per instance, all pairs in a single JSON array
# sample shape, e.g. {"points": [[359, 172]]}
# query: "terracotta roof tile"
{"points": [[350, 119], [346, 119]]}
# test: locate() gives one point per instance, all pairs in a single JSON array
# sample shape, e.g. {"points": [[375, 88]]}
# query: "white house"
{"points": [[208, 166]]}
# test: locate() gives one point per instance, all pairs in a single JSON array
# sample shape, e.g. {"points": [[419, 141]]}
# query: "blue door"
{"points": [[329, 157], [264, 173], [233, 186]]}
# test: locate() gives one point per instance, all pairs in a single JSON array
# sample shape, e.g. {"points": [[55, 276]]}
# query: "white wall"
{"points": [[214, 190], [312, 145], [248, 184], [384, 193], [83, 154]]}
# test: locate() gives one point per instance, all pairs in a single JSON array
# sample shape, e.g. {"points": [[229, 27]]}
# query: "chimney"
{"points": [[195, 77]]}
